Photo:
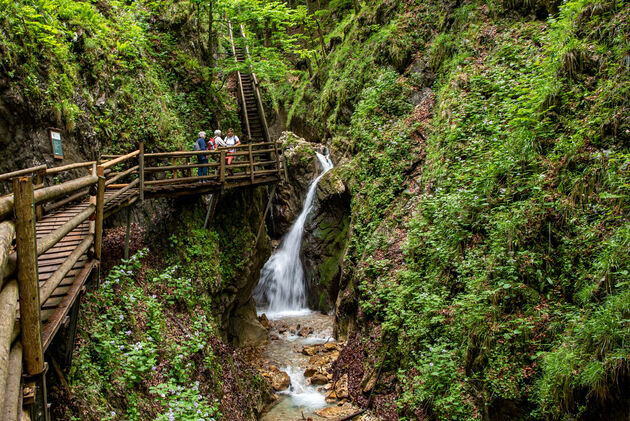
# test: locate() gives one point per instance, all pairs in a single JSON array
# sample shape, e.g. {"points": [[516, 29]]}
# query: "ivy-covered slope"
{"points": [[113, 72], [486, 145]]}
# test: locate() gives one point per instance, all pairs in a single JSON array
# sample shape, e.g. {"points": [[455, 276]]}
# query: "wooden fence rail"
{"points": [[68, 241]]}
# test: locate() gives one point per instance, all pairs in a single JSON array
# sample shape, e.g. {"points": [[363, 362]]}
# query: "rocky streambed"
{"points": [[297, 363]]}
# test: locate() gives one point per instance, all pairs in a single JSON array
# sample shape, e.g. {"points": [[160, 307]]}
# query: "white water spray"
{"points": [[281, 282]]}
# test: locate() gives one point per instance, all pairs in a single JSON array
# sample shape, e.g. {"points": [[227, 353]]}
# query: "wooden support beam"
{"points": [[8, 306], [222, 167], [100, 205], [7, 231], [251, 163], [55, 279], [141, 171], [12, 405], [53, 238], [262, 223], [27, 275]]}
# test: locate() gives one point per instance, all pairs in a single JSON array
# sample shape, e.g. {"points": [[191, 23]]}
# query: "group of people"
{"points": [[212, 144]]}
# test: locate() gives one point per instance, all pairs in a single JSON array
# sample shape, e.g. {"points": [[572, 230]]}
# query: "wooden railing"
{"points": [[19, 275], [104, 184]]}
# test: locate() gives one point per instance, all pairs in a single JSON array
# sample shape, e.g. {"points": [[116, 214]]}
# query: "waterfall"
{"points": [[281, 284]]}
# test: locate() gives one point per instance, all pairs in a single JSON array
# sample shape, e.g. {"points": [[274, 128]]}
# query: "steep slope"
{"points": [[486, 148]]}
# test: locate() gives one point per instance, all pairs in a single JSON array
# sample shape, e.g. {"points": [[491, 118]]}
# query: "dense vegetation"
{"points": [[488, 158], [486, 146]]}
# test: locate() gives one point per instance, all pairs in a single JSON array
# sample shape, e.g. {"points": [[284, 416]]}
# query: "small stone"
{"points": [[305, 331], [319, 379], [310, 372], [330, 346], [341, 387]]}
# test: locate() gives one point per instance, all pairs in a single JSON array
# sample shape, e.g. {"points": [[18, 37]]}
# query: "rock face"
{"points": [[325, 240], [302, 168], [326, 228]]}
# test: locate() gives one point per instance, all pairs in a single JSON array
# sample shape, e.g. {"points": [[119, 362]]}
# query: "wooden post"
{"points": [[27, 276], [12, 396], [222, 167], [100, 204], [8, 304], [128, 213], [39, 179], [251, 163], [141, 172]]}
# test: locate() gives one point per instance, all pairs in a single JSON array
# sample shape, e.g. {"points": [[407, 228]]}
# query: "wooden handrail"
{"points": [[180, 167], [27, 171], [68, 167], [55, 279], [53, 192], [261, 107], [7, 231], [45, 244], [121, 175], [66, 200], [120, 159], [124, 189]]}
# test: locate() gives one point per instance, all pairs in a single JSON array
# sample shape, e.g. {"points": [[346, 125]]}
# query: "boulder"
{"points": [[279, 379], [247, 330], [264, 321], [336, 412]]}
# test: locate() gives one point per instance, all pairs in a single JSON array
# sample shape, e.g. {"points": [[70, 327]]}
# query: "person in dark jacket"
{"points": [[202, 159]]}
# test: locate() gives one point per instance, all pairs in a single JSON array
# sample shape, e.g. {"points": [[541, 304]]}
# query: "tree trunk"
{"points": [[211, 36]]}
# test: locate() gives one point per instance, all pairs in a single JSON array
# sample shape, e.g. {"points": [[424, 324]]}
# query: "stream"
{"points": [[281, 296], [285, 353]]}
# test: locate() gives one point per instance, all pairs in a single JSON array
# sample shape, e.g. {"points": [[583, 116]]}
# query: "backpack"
{"points": [[196, 146]]}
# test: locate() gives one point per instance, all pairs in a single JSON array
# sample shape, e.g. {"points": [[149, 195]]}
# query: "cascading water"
{"points": [[281, 284]]}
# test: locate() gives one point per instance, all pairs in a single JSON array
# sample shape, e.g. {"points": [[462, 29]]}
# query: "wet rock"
{"points": [[327, 229], [331, 397], [279, 379], [305, 331], [341, 387], [264, 321], [247, 329], [310, 372], [310, 350], [319, 379], [369, 381], [274, 337], [336, 412], [331, 346]]}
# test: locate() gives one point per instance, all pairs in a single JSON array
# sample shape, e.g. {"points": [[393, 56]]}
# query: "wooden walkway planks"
{"points": [[55, 309]]}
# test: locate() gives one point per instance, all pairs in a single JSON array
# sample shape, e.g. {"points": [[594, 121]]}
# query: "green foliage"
{"points": [[126, 346], [510, 288]]}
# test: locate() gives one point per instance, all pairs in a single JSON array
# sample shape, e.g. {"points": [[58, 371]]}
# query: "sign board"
{"points": [[55, 141]]}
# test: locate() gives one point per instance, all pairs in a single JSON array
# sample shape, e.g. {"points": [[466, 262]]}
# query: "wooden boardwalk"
{"points": [[66, 241], [51, 235]]}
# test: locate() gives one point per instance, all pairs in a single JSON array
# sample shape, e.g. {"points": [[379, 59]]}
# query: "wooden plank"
{"points": [[54, 321]]}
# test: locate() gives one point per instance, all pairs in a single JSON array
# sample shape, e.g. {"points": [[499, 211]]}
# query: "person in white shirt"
{"points": [[231, 140]]}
